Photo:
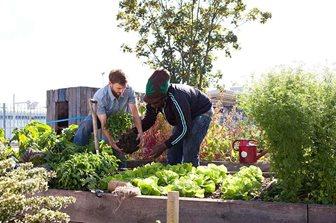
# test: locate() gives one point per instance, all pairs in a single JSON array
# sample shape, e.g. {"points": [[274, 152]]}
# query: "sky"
{"points": [[49, 44]]}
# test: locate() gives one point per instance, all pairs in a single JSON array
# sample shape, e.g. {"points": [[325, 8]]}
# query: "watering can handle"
{"points": [[234, 142], [252, 140]]}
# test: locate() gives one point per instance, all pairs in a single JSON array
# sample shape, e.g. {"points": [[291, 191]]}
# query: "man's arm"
{"points": [[137, 121], [150, 117], [181, 108], [106, 132]]}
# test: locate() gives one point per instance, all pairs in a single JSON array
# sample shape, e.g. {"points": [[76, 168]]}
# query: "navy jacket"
{"points": [[183, 104]]}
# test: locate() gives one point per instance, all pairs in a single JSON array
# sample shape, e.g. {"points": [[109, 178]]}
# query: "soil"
{"points": [[128, 142]]}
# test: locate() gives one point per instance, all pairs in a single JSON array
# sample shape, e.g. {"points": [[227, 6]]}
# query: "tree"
{"points": [[19, 183], [183, 36]]}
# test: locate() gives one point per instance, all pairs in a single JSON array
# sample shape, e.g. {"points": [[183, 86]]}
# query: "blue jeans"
{"points": [[84, 132], [187, 150]]}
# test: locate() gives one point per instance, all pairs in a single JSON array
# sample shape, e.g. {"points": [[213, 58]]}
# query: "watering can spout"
{"points": [[261, 154]]}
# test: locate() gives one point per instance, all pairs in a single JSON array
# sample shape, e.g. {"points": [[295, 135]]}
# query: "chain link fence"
{"points": [[20, 114]]}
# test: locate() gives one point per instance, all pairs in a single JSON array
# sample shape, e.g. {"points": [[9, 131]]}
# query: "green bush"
{"points": [[19, 184], [297, 111]]}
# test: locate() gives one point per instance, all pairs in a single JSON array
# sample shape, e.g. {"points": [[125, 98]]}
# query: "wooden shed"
{"points": [[66, 106]]}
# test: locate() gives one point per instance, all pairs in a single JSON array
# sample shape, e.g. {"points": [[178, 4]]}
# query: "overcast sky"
{"points": [[48, 44]]}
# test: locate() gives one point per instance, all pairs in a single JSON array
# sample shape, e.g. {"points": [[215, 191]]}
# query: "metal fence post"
{"points": [[4, 116]]}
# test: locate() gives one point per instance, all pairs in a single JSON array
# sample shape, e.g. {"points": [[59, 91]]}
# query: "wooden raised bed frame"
{"points": [[145, 209]]}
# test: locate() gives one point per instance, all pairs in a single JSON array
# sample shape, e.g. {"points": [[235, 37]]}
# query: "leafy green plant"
{"points": [[36, 136], [2, 136], [297, 112], [64, 148], [35, 147], [119, 123], [69, 132], [187, 187], [166, 177], [215, 173], [85, 170], [148, 186], [159, 179], [19, 184], [7, 151], [245, 184], [217, 143]]}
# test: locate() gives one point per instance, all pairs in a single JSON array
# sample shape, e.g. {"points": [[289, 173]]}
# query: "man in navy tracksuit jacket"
{"points": [[184, 107]]}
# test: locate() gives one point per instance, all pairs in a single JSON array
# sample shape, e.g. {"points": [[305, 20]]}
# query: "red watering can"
{"points": [[248, 150]]}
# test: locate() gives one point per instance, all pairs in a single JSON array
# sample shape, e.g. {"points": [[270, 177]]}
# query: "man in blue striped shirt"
{"points": [[114, 97], [184, 107]]}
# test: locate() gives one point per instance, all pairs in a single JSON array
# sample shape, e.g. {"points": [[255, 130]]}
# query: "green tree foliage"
{"points": [[297, 112], [19, 184], [183, 36]]}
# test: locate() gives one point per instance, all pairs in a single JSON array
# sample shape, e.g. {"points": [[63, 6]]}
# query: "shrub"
{"points": [[19, 184], [297, 112]]}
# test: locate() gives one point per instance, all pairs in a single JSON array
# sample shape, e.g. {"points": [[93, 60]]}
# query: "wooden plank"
{"points": [[88, 96], [78, 103], [93, 91], [321, 213], [61, 94], [55, 96], [51, 107], [90, 208], [84, 102], [72, 104], [67, 94], [48, 105], [74, 100], [173, 207]]}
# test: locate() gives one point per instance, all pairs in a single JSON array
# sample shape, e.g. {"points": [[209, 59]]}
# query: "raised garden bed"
{"points": [[145, 209]]}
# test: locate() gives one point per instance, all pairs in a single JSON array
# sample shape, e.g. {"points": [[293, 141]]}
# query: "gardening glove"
{"points": [[157, 150]]}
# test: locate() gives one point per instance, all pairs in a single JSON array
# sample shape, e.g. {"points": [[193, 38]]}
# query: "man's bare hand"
{"points": [[115, 147], [141, 138], [157, 151]]}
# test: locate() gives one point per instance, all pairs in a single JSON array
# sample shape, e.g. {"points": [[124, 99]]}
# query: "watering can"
{"points": [[248, 152]]}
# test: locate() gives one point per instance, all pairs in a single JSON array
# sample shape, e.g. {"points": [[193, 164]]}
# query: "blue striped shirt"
{"points": [[108, 104]]}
